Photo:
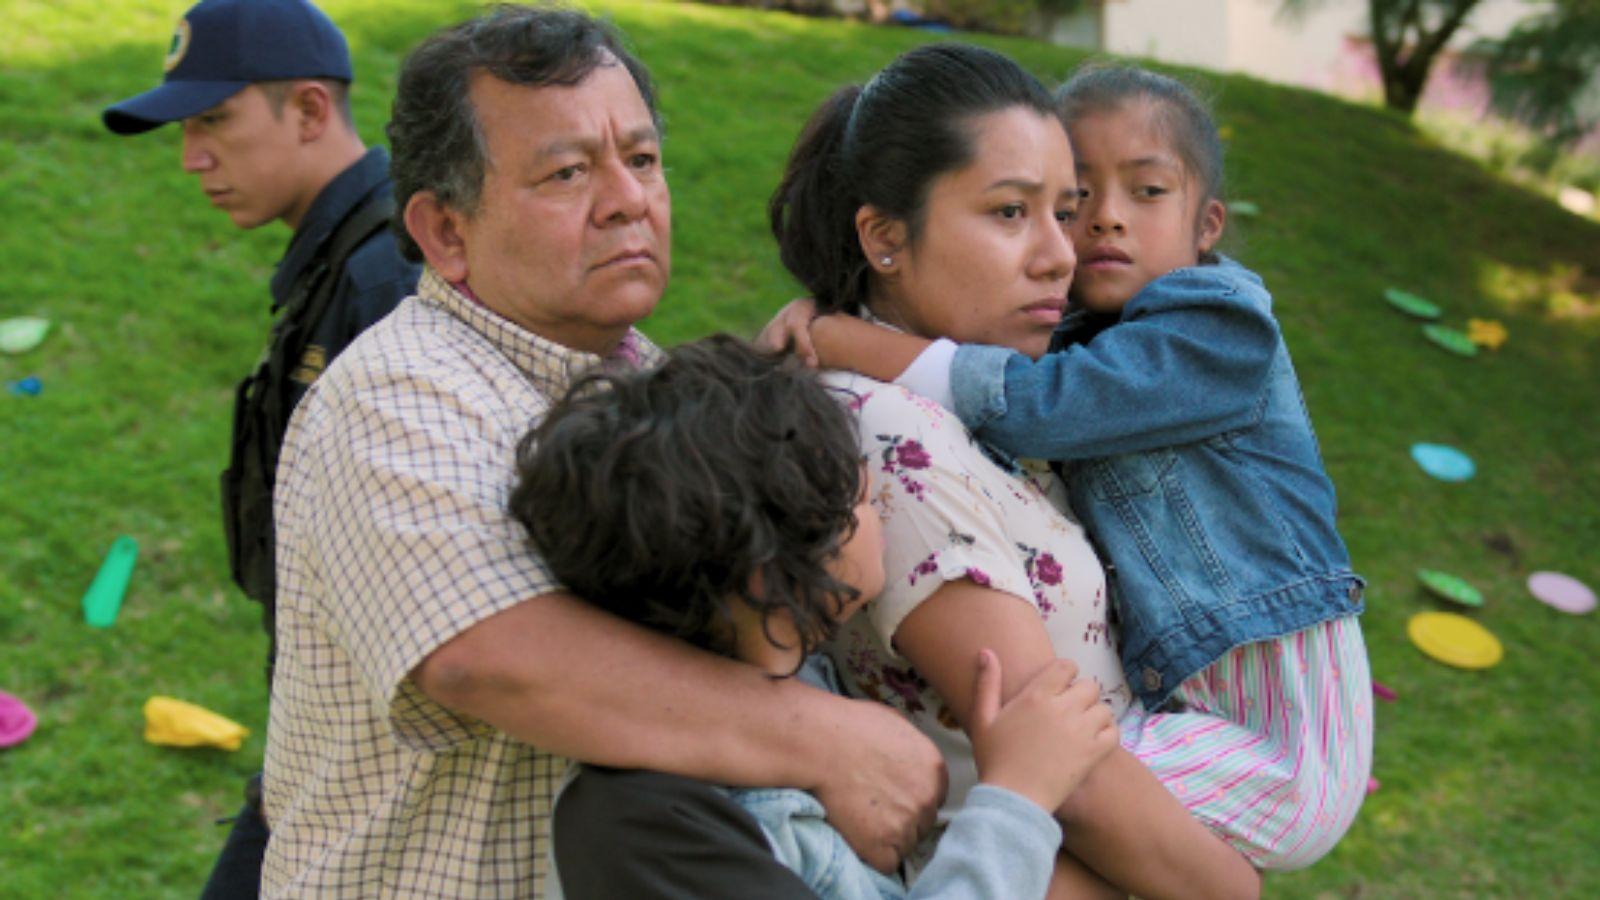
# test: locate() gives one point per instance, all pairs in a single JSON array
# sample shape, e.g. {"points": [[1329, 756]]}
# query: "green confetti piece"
{"points": [[1448, 587], [104, 598], [1450, 339], [22, 334], [1411, 304]]}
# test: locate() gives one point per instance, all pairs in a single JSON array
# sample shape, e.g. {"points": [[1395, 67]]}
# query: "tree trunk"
{"points": [[1406, 44], [1401, 94]]}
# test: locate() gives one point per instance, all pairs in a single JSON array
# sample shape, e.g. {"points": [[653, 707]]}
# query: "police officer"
{"points": [[261, 91]]}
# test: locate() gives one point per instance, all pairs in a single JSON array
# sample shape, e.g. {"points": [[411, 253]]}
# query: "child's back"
{"points": [[1190, 457], [720, 498]]}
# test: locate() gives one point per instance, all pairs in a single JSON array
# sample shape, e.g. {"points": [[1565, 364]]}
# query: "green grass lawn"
{"points": [[1490, 785]]}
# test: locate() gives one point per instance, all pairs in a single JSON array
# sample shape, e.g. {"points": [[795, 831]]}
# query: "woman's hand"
{"points": [[1045, 739], [790, 331]]}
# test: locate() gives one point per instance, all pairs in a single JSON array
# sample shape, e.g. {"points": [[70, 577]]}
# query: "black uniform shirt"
{"points": [[375, 278]]}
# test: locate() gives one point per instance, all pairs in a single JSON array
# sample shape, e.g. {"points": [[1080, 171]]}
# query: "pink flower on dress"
{"points": [[1048, 570], [926, 567], [1043, 571], [905, 683], [978, 576], [900, 457], [912, 455]]}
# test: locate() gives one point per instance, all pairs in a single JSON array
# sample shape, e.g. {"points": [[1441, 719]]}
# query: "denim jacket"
{"points": [[1189, 456], [998, 844]]}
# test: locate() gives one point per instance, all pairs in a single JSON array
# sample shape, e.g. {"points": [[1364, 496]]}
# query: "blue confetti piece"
{"points": [[27, 387]]}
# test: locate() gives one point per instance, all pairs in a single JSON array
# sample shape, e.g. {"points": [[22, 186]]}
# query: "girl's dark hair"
{"points": [[436, 143], [727, 472], [883, 145], [1180, 114]]}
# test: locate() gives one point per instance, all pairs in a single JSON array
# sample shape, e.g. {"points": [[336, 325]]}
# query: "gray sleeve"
{"points": [[998, 845]]}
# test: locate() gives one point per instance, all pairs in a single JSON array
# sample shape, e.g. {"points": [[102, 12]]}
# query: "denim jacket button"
{"points": [[1355, 593], [1152, 680]]}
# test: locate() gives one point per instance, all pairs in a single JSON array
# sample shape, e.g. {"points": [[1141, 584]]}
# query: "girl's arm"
{"points": [[1188, 361], [846, 342], [839, 341], [1122, 822]]}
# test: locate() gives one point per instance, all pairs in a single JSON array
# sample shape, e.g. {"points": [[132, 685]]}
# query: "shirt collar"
{"points": [[549, 366], [341, 195]]}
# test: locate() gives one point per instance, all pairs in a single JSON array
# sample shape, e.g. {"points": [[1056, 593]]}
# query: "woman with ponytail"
{"points": [[934, 200]]}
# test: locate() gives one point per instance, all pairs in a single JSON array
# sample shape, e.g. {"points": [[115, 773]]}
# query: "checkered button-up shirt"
{"points": [[393, 538]]}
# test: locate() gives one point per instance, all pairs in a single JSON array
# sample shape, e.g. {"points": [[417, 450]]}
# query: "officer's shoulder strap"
{"points": [[317, 291]]}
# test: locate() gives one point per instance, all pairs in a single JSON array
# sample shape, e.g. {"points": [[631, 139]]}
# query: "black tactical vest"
{"points": [[265, 399]]}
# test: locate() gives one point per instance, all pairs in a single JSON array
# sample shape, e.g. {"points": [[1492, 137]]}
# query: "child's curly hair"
{"points": [[659, 495]]}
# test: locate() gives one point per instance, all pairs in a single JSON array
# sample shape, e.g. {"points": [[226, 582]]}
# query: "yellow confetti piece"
{"points": [[1486, 333], [170, 722]]}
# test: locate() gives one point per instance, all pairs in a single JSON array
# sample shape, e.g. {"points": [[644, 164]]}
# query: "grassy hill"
{"points": [[1490, 785]]}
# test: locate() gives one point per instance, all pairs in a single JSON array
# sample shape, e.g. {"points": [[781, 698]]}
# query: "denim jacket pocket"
{"points": [[1131, 474]]}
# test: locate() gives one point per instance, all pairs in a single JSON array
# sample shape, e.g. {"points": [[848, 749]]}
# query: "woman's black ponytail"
{"points": [[813, 211]]}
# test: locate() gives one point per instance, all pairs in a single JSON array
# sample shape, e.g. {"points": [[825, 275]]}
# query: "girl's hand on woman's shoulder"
{"points": [[790, 331]]}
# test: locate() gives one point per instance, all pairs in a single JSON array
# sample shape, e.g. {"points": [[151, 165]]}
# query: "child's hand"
{"points": [[1043, 741], [790, 330]]}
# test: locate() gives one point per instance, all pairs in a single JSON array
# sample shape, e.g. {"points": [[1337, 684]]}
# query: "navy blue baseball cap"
{"points": [[222, 46]]}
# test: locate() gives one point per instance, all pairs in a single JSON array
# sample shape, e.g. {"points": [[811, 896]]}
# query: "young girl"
{"points": [[1175, 413], [720, 498]]}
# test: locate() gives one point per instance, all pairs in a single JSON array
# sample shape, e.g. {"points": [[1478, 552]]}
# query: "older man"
{"points": [[432, 677]]}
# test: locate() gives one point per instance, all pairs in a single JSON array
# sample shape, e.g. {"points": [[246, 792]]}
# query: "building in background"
{"points": [[1326, 48]]}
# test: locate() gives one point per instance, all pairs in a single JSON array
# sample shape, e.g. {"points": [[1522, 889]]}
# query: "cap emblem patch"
{"points": [[180, 46]]}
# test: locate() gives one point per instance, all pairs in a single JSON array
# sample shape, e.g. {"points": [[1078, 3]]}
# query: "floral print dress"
{"points": [[952, 512], [1251, 752]]}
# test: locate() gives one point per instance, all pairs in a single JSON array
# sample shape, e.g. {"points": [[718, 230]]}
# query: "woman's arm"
{"points": [[1122, 822]]}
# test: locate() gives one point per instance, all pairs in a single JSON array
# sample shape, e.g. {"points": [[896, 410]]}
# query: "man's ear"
{"points": [[437, 230], [1213, 217], [882, 238], [313, 106]]}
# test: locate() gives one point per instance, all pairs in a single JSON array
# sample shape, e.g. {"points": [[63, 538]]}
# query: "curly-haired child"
{"points": [[720, 498]]}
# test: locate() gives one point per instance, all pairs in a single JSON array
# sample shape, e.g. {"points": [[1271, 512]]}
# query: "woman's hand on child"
{"points": [[790, 330], [1043, 741]]}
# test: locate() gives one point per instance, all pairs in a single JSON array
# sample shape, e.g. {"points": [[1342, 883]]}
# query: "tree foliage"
{"points": [[1544, 72], [1407, 36]]}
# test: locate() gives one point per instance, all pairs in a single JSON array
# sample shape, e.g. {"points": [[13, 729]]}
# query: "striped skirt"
{"points": [[1273, 748]]}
